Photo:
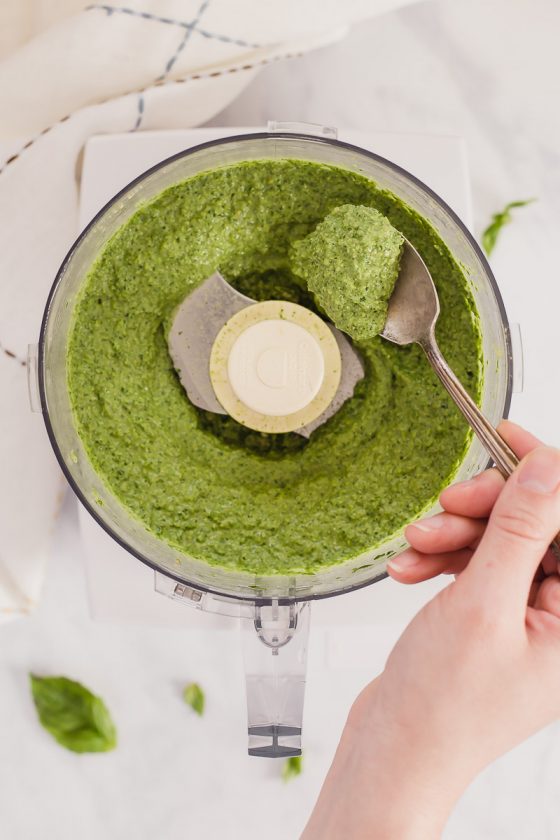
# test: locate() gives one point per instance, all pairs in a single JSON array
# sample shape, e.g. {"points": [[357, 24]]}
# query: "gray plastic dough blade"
{"points": [[196, 324]]}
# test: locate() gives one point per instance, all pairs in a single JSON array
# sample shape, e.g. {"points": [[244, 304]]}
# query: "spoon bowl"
{"points": [[414, 305], [411, 319]]}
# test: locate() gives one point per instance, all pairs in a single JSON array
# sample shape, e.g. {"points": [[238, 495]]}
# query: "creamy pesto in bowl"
{"points": [[206, 485]]}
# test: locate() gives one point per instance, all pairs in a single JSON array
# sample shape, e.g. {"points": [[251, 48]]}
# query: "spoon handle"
{"points": [[504, 458]]}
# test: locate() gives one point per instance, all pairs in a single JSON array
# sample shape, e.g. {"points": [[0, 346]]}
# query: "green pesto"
{"points": [[351, 263], [374, 466]]}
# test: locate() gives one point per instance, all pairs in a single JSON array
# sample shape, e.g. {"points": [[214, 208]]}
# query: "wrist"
{"points": [[402, 799], [383, 783]]}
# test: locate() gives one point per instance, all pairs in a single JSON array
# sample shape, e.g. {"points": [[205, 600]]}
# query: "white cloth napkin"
{"points": [[111, 68]]}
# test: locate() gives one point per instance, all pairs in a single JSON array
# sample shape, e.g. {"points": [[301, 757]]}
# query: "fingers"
{"points": [[441, 543], [444, 542], [475, 497], [444, 532], [524, 520], [520, 440], [413, 566]]}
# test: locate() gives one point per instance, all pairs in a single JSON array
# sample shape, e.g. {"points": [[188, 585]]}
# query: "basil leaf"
{"points": [[292, 767], [76, 718], [490, 235], [193, 695]]}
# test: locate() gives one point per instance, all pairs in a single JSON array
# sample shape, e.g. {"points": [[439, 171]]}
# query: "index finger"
{"points": [[521, 441], [522, 524], [477, 497]]}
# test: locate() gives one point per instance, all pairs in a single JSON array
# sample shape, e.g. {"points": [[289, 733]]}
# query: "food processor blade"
{"points": [[196, 325], [197, 322]]}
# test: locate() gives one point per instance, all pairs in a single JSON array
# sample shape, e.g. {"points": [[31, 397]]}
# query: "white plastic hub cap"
{"points": [[275, 366]]}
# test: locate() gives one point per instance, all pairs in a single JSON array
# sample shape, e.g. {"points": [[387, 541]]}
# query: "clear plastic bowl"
{"points": [[88, 486]]}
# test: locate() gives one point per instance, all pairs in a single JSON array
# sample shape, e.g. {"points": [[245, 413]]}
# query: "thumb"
{"points": [[523, 522]]}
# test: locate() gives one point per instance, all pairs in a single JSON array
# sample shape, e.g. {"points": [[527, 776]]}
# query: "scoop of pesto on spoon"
{"points": [[350, 262]]}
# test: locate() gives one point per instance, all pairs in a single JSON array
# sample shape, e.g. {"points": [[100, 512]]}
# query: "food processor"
{"points": [[274, 610]]}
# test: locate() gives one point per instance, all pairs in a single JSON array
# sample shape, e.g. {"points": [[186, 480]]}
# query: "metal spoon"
{"points": [[411, 318]]}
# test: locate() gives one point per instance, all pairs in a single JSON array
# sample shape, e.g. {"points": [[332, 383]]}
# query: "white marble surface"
{"points": [[487, 70]]}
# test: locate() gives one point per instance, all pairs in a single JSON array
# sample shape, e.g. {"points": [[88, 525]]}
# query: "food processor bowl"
{"points": [[274, 604]]}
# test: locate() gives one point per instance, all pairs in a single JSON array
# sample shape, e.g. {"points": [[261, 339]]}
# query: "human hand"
{"points": [[475, 673], [445, 543]]}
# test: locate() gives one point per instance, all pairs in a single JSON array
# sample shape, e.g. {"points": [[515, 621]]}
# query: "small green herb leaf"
{"points": [[490, 235], [76, 718], [292, 767], [193, 695]]}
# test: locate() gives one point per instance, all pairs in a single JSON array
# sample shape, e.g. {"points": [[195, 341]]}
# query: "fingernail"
{"points": [[464, 485], [540, 471], [433, 523], [403, 562]]}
